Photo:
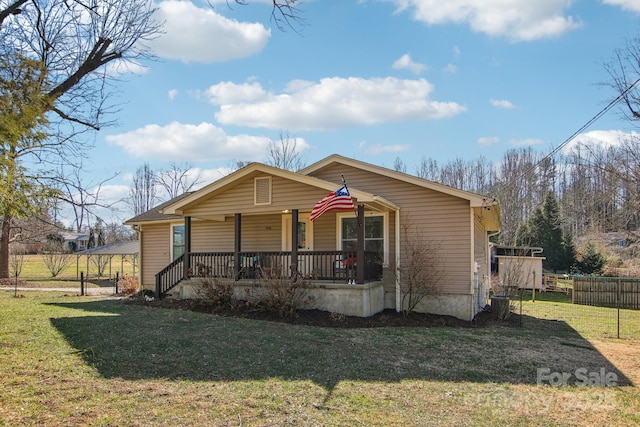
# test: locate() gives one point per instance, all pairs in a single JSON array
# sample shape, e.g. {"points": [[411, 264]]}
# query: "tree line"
{"points": [[589, 189]]}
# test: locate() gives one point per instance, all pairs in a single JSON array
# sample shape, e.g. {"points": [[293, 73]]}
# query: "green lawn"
{"points": [[36, 274], [92, 361], [592, 322]]}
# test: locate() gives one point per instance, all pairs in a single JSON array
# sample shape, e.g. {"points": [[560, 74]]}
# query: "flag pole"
{"points": [[355, 211]]}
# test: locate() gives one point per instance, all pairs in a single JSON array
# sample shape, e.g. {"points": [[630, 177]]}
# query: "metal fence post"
{"points": [[82, 283], [618, 306]]}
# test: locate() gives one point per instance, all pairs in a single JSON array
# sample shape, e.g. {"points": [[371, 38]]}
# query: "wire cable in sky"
{"points": [[585, 126]]}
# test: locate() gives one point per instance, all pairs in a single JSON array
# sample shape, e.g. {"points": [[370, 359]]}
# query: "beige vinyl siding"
{"points": [[258, 233], [324, 232], [442, 217], [212, 236], [155, 241], [286, 194]]}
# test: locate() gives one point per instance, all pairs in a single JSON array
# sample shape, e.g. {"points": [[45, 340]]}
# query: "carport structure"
{"points": [[126, 250]]}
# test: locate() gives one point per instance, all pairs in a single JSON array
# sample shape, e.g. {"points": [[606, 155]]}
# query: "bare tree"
{"points": [[285, 154], [399, 165], [178, 179], [428, 169], [63, 47], [54, 256], [83, 197], [142, 193], [421, 267]]}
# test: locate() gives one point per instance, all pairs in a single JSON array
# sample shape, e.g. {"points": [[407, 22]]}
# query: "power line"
{"points": [[583, 127]]}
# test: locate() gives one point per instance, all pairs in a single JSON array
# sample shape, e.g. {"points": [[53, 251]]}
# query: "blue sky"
{"points": [[369, 79]]}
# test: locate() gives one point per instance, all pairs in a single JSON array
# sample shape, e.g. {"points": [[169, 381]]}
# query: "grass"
{"points": [[590, 320], [100, 362], [36, 274]]}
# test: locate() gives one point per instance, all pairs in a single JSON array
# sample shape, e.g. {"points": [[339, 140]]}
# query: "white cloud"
{"points": [[332, 103], [598, 139], [632, 5], [450, 69], [382, 149], [518, 20], [187, 142], [172, 94], [201, 35], [122, 67], [488, 141], [406, 63], [502, 103], [525, 142], [231, 93]]}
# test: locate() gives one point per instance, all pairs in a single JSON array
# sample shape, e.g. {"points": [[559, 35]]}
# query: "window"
{"points": [[177, 241], [375, 234]]}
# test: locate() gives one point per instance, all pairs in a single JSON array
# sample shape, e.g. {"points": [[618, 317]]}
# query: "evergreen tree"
{"points": [[592, 261], [544, 229]]}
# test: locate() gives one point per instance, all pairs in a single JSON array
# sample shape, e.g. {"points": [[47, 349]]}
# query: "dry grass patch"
{"points": [[101, 362]]}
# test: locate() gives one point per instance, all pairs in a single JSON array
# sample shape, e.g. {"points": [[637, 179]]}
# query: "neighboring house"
{"points": [[260, 215], [74, 242], [519, 263]]}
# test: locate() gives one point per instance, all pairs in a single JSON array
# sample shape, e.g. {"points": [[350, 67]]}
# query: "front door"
{"points": [[305, 232], [305, 241]]}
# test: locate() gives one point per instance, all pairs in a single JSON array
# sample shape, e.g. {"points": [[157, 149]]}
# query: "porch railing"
{"points": [[170, 276], [336, 266]]}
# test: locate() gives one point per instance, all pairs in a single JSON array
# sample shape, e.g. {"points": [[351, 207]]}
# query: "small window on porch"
{"points": [[177, 241], [262, 191]]}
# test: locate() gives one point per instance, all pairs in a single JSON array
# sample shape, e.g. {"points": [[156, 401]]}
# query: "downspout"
{"points": [[397, 263], [138, 229]]}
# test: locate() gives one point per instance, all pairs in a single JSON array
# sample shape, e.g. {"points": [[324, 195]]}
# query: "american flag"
{"points": [[339, 200]]}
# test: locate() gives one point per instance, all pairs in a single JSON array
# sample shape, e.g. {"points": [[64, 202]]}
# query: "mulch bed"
{"points": [[386, 318]]}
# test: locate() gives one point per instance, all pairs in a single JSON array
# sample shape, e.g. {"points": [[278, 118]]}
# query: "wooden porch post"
{"points": [[294, 242], [360, 246], [237, 245], [187, 247]]}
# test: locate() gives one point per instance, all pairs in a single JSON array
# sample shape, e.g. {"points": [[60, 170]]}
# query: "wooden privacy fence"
{"points": [[622, 292]]}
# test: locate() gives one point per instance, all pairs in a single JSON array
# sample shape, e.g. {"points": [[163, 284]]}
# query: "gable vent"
{"points": [[262, 191]]}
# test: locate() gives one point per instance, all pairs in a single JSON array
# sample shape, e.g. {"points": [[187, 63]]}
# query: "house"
{"points": [[259, 215], [74, 242]]}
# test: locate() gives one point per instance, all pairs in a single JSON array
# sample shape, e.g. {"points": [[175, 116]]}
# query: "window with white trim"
{"points": [[178, 240], [376, 233]]}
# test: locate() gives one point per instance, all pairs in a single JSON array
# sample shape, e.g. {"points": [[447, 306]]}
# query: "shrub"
{"points": [[421, 268], [128, 285], [282, 296], [217, 292], [55, 258]]}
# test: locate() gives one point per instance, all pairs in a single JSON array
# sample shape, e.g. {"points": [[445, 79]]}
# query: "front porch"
{"points": [[324, 268], [354, 266]]}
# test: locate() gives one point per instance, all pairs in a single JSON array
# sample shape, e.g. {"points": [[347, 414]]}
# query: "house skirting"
{"points": [[350, 300], [463, 307]]}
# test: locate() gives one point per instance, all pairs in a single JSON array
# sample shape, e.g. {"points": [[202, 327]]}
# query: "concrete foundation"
{"points": [[351, 300]]}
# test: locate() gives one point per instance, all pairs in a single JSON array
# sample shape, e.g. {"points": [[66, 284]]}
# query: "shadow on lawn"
{"points": [[137, 342]]}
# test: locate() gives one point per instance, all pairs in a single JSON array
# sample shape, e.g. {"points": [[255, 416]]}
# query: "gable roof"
{"points": [[476, 200], [178, 206], [156, 214]]}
